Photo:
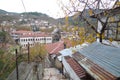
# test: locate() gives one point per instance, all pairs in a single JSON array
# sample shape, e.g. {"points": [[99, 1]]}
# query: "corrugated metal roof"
{"points": [[93, 69], [70, 51], [76, 67], [107, 57], [64, 52]]}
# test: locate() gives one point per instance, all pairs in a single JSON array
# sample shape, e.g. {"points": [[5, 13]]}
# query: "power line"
{"points": [[23, 5]]}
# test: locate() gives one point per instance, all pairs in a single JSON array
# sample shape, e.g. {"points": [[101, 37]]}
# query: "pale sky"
{"points": [[49, 7]]}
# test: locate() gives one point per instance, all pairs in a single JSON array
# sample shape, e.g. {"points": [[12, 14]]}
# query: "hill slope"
{"points": [[10, 16], [78, 21]]}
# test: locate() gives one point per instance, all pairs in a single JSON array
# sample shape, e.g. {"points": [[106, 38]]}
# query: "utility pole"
{"points": [[17, 76], [28, 52]]}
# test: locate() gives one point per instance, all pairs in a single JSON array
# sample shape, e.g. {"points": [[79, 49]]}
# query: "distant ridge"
{"points": [[3, 11], [9, 16]]}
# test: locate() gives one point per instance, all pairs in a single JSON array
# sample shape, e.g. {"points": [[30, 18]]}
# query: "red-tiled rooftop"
{"points": [[24, 33], [36, 35], [76, 67], [68, 42], [54, 48]]}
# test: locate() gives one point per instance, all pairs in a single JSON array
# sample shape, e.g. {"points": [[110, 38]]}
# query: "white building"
{"points": [[32, 39], [25, 37]]}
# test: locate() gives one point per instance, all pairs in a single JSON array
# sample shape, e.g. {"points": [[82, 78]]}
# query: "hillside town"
{"points": [[84, 46]]}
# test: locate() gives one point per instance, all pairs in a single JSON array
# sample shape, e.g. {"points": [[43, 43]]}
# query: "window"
{"points": [[21, 40], [49, 39], [44, 38]]}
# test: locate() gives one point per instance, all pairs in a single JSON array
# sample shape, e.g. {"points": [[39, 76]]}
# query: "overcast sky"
{"points": [[49, 7]]}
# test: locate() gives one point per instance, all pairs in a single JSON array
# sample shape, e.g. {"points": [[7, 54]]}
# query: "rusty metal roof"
{"points": [[93, 69], [100, 60], [76, 67]]}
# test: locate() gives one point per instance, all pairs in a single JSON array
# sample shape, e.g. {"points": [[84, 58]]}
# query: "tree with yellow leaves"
{"points": [[38, 51], [82, 36], [93, 7], [90, 12]]}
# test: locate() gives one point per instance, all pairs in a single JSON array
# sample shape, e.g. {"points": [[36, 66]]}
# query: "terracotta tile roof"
{"points": [[68, 42], [24, 33], [54, 48], [35, 35], [76, 67]]}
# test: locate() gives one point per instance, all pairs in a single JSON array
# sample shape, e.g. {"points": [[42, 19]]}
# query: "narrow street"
{"points": [[51, 73]]}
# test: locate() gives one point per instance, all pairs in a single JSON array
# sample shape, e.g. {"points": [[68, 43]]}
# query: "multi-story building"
{"points": [[25, 37]]}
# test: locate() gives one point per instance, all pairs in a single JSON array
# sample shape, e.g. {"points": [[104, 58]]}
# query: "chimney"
{"points": [[64, 45]]}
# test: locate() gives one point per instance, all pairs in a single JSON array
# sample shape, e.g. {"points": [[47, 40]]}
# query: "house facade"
{"points": [[25, 37], [24, 40], [108, 24]]}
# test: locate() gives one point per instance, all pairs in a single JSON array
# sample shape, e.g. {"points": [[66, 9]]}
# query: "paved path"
{"points": [[47, 63], [52, 74]]}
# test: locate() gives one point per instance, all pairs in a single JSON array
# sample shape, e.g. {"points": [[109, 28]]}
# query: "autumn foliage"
{"points": [[38, 51]]}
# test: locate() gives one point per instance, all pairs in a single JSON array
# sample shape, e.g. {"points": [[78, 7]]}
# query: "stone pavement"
{"points": [[52, 74]]}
